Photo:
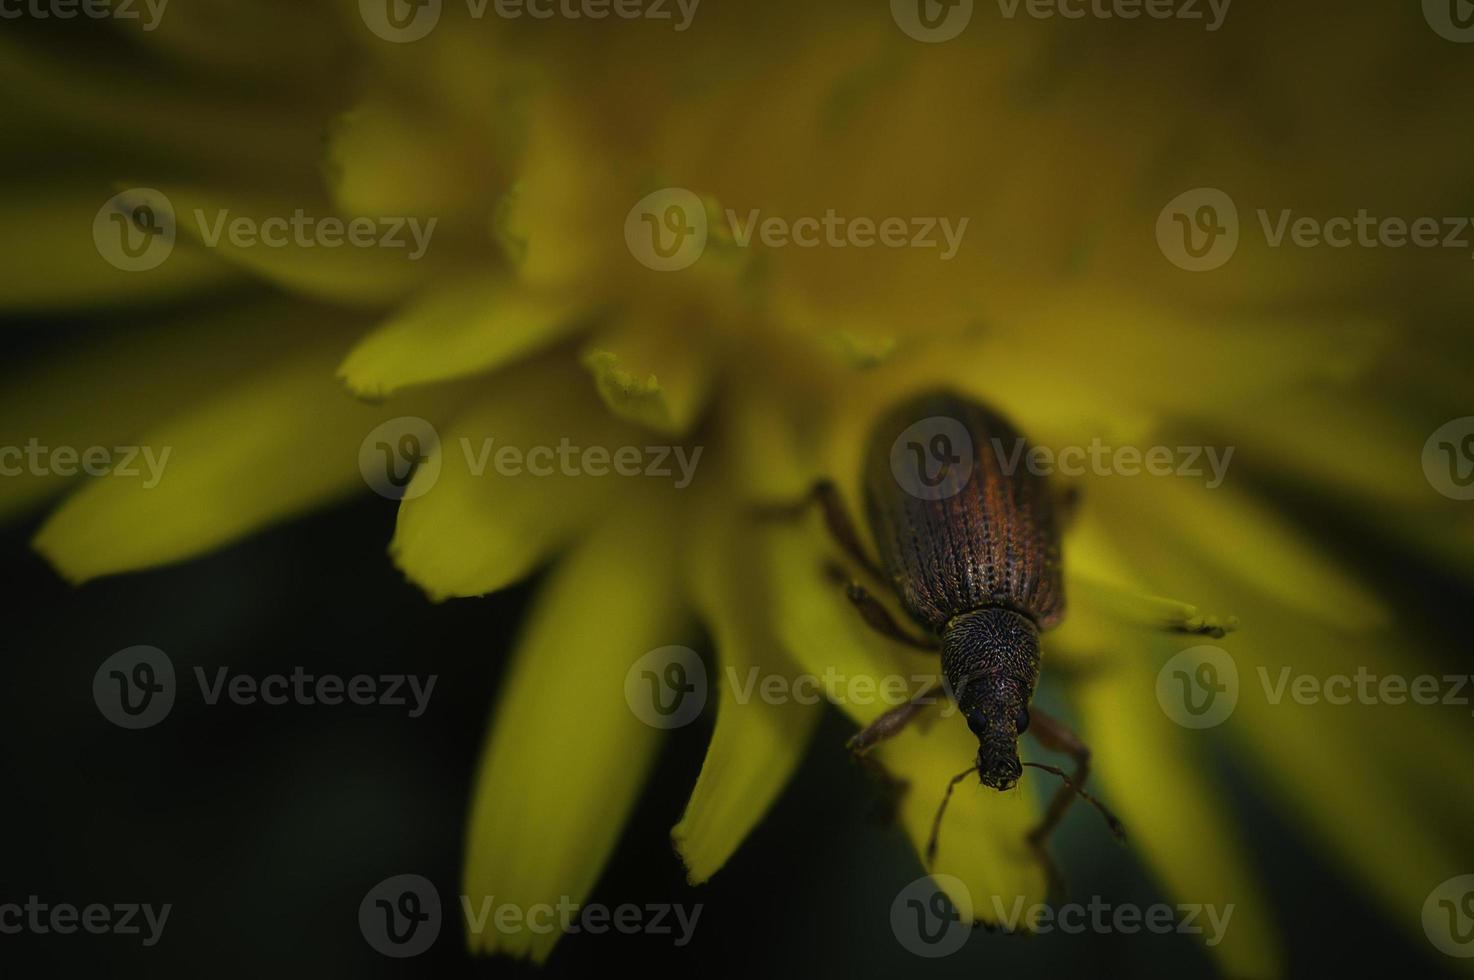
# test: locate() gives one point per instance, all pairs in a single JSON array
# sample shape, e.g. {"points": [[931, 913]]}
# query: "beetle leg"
{"points": [[878, 617], [1056, 737], [893, 721], [841, 528], [1051, 733]]}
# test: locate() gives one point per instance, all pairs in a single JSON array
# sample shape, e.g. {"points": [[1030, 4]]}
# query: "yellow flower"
{"points": [[534, 318]]}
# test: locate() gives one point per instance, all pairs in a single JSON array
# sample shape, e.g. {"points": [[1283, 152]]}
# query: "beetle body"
{"points": [[969, 539]]}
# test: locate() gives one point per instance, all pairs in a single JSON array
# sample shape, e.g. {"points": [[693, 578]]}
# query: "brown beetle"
{"points": [[970, 542]]}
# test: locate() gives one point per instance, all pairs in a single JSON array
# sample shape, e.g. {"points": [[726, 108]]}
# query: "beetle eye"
{"points": [[978, 722], [1022, 721]]}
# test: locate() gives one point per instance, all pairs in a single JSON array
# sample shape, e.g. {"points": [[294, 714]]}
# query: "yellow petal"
{"points": [[982, 842], [390, 156], [1387, 763], [758, 742], [566, 755], [455, 329], [516, 513], [152, 121], [1159, 779], [649, 377], [1246, 541], [307, 247], [822, 630], [57, 264], [85, 396], [281, 442]]}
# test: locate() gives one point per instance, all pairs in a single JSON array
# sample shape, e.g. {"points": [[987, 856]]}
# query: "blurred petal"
{"points": [[109, 392], [983, 835], [566, 756], [757, 744], [307, 247], [650, 377], [1249, 543], [174, 122], [517, 515], [456, 329], [388, 155], [277, 444], [1410, 823], [53, 262], [818, 625], [1163, 786]]}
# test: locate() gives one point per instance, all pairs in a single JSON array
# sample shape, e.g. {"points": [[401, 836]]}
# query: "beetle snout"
{"points": [[998, 766]]}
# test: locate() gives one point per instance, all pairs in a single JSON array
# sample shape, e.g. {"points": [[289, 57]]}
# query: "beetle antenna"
{"points": [[936, 824], [1117, 829]]}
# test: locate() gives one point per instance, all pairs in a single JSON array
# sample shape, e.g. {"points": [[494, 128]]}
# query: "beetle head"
{"points": [[991, 661]]}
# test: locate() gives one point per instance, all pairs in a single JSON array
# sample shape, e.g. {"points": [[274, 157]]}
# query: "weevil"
{"points": [[969, 541]]}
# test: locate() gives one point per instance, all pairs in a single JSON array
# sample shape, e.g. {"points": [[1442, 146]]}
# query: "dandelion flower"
{"points": [[532, 318]]}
